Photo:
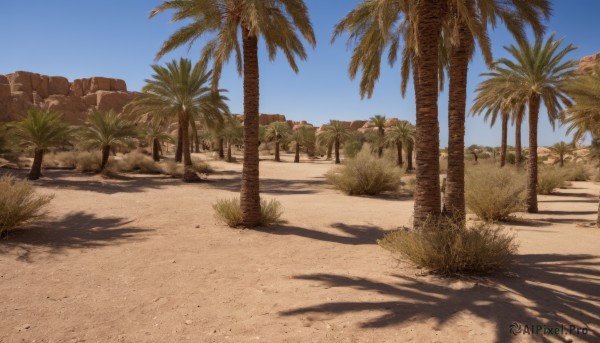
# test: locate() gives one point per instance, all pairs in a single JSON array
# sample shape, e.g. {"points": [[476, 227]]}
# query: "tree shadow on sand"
{"points": [[77, 230], [338, 233], [550, 290]]}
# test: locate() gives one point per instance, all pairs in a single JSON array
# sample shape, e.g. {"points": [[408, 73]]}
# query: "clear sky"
{"points": [[114, 38]]}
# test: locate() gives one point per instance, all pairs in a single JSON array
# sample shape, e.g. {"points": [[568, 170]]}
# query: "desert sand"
{"points": [[142, 259]]}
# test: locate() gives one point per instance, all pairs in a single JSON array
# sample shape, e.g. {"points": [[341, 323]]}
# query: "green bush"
{"points": [[549, 179], [494, 193], [19, 204], [446, 247], [137, 162], [365, 174], [229, 212], [576, 172]]}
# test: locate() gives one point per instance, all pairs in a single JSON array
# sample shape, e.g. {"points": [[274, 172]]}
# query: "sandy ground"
{"points": [[142, 259]]}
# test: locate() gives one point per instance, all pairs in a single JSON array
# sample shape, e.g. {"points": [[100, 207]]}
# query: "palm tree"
{"points": [[232, 133], [402, 135], [583, 117], [104, 130], [538, 73], [561, 149], [181, 90], [39, 131], [278, 23], [379, 122], [335, 132], [302, 136], [155, 132], [277, 132]]}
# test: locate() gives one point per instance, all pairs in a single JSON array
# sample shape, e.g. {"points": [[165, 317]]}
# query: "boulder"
{"points": [[91, 99], [58, 85], [391, 122], [22, 79], [99, 84], [357, 124], [40, 85], [4, 80], [118, 85], [72, 108], [114, 101], [266, 119], [76, 88], [5, 93], [588, 63]]}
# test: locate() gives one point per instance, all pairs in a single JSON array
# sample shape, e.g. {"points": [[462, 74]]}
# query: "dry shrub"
{"points": [[549, 179], [63, 159], [201, 166], [576, 172], [137, 162], [229, 212], [494, 193], [365, 174], [446, 247], [443, 165], [88, 161], [19, 204]]}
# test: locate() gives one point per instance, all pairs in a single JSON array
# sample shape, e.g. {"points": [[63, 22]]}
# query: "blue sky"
{"points": [[114, 38]]}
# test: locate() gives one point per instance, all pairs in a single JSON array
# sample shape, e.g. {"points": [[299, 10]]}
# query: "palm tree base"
{"points": [[189, 175]]}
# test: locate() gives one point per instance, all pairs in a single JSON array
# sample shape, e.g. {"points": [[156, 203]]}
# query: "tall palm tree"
{"points": [[104, 130], [379, 122], [181, 90], [302, 136], [335, 132], [278, 22], [39, 131], [277, 132], [539, 73], [583, 117], [402, 135], [561, 149]]}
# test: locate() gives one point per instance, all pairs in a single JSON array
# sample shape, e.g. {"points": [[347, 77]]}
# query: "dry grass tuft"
{"points": [[229, 212], [446, 247], [19, 204]]}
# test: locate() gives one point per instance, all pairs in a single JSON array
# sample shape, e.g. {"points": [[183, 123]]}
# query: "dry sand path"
{"points": [[143, 260]]}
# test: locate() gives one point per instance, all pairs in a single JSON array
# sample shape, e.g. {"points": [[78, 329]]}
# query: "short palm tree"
{"points": [[539, 73], [237, 26], [379, 122], [277, 132], [156, 133], [232, 133], [561, 149], [181, 90], [302, 136], [402, 135], [335, 132], [105, 130], [39, 131]]}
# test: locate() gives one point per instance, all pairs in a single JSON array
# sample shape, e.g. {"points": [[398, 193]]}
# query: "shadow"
{"points": [[272, 186], [567, 213], [591, 201], [548, 289], [77, 230], [348, 234], [575, 195]]}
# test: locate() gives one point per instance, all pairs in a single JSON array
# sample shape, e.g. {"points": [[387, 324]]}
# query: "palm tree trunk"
{"points": [[562, 160], [250, 191], [221, 143], [229, 158], [427, 145], [277, 157], [454, 195], [503, 145], [381, 136], [534, 108], [399, 148], [105, 155], [329, 150], [155, 150], [518, 145], [36, 167], [297, 157], [194, 128], [337, 150], [179, 151], [409, 159], [189, 175]]}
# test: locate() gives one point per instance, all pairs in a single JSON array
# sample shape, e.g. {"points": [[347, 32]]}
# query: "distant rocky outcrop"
{"points": [[588, 63], [22, 90]]}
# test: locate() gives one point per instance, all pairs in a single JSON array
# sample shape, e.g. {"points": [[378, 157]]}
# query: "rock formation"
{"points": [[22, 90], [588, 63]]}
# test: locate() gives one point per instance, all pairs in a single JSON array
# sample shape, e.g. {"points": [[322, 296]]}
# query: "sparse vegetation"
{"points": [[446, 247], [494, 193], [550, 179], [576, 172], [137, 162], [365, 174], [19, 204], [229, 212]]}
